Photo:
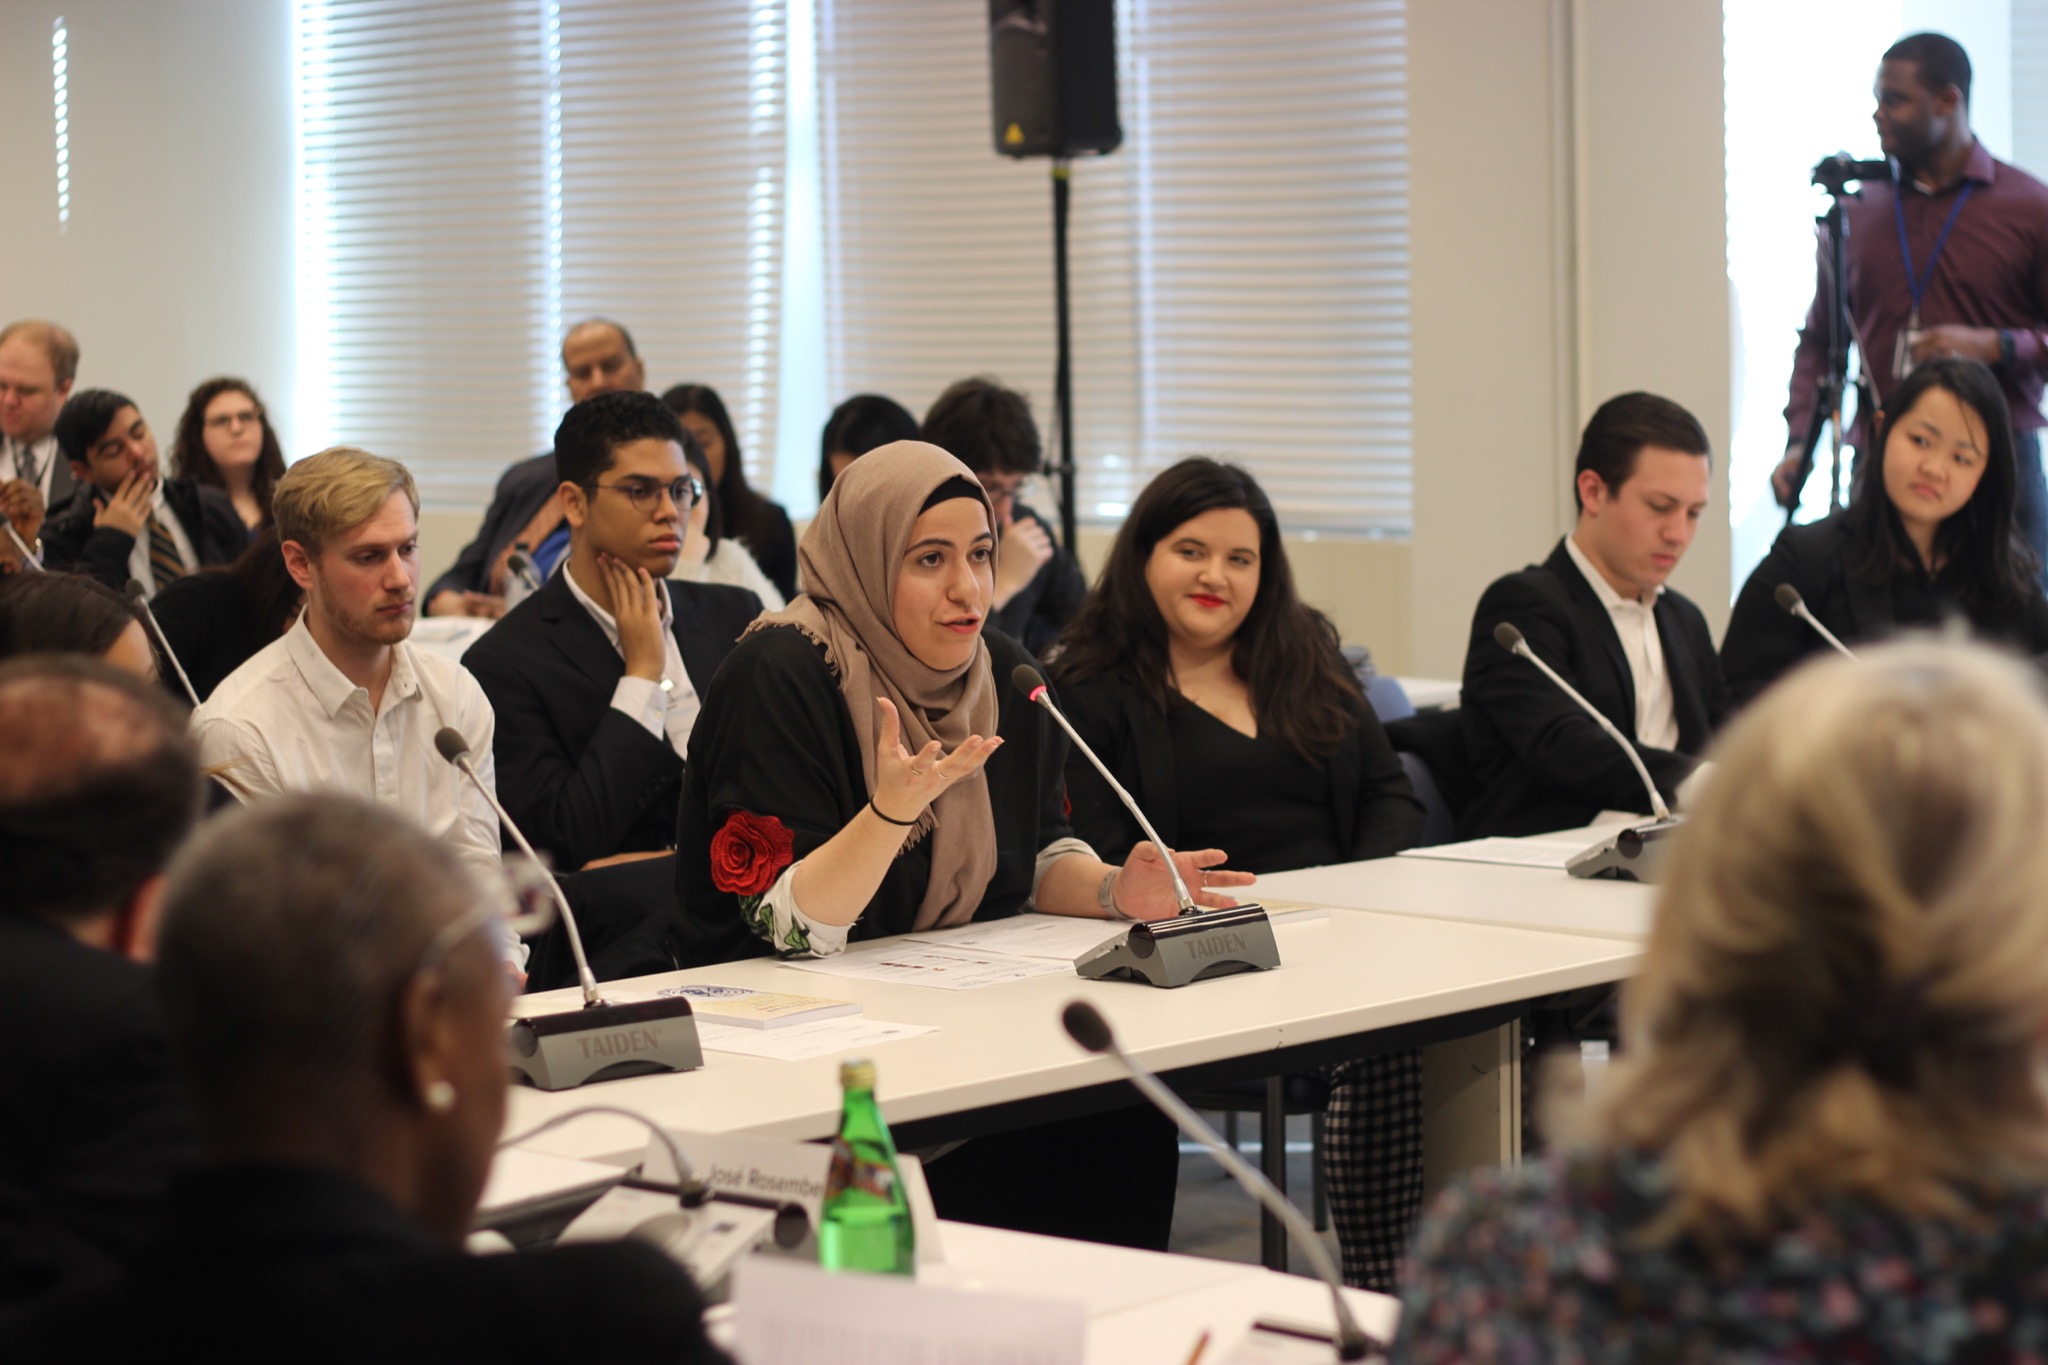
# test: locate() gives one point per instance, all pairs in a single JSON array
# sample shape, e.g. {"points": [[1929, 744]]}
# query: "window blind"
{"points": [[1239, 266], [421, 233], [672, 167]]}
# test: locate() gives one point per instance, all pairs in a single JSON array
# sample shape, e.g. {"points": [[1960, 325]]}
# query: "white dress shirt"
{"points": [[42, 456], [289, 720], [138, 557], [672, 711], [1635, 621]]}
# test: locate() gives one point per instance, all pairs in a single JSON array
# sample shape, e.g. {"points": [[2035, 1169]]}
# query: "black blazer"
{"points": [[261, 1262], [1372, 806], [521, 492], [71, 541], [1539, 762], [582, 779], [1764, 641], [93, 1123], [211, 625]]}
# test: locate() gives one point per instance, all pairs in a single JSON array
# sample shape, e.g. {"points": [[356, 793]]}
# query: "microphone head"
{"points": [[452, 745], [136, 590], [1026, 680], [1507, 637], [1086, 1026], [1789, 598]]}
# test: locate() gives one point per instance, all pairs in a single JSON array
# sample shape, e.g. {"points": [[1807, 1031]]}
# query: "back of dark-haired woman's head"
{"points": [[858, 425], [61, 613], [1980, 541], [594, 429], [1623, 425]]}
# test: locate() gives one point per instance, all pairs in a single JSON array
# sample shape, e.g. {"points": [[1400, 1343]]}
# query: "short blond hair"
{"points": [[1846, 985], [325, 494]]}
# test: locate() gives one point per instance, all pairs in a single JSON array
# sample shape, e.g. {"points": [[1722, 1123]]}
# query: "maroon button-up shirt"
{"points": [[1993, 273]]}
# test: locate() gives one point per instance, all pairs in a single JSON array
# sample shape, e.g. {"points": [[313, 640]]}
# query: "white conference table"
{"points": [[999, 1056], [1531, 898]]}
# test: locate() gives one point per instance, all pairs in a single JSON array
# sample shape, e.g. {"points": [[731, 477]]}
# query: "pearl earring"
{"points": [[440, 1097]]}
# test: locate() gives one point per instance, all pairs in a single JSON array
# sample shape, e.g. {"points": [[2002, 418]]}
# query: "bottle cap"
{"points": [[857, 1073]]}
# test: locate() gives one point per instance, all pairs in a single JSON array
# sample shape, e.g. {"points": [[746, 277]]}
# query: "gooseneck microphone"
{"points": [[1789, 598], [692, 1188], [602, 1041], [1511, 640], [28, 555], [455, 749], [140, 595], [1086, 1026], [1194, 945], [1027, 680]]}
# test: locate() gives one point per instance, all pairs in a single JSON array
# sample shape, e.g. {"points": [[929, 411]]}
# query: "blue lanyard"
{"points": [[1917, 284]]}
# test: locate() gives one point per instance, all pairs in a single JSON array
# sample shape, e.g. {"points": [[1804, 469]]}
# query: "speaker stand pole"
{"points": [[1063, 372]]}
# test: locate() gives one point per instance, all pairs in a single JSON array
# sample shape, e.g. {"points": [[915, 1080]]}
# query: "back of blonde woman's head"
{"points": [[1847, 984]]}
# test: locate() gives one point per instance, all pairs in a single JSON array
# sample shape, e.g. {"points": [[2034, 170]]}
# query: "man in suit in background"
{"points": [[1039, 585], [38, 361], [128, 521], [1599, 613], [598, 356], [99, 786], [595, 679]]}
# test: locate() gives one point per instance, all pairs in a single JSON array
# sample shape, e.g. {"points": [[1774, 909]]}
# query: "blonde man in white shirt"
{"points": [[342, 702], [1598, 612]]}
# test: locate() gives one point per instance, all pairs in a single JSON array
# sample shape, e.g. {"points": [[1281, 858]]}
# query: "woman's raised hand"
{"points": [[905, 783], [1144, 888]]}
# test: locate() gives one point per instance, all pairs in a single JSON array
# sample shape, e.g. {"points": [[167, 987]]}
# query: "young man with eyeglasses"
{"points": [[596, 677]]}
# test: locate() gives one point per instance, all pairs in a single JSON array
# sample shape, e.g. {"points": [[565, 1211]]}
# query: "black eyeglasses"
{"points": [[226, 420], [646, 493]]}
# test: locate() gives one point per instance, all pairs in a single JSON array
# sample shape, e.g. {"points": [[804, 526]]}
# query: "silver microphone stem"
{"points": [[1352, 1340], [1807, 616], [134, 590], [1657, 806], [1180, 888], [589, 982], [687, 1182], [28, 555]]}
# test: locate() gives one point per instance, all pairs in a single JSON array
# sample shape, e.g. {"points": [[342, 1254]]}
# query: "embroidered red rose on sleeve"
{"points": [[749, 852]]}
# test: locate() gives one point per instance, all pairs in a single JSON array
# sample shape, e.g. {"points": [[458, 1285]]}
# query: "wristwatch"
{"points": [[2006, 348]]}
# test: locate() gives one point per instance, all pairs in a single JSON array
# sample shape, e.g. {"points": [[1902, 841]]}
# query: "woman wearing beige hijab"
{"points": [[863, 767]]}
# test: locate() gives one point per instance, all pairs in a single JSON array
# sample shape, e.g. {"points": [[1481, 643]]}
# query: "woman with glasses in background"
{"points": [[225, 439]]}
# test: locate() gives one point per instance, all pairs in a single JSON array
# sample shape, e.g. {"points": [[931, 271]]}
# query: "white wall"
{"points": [[177, 262]]}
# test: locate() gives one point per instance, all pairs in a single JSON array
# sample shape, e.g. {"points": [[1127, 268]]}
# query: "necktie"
{"points": [[164, 563]]}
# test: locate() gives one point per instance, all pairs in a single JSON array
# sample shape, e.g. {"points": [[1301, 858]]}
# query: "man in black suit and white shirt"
{"points": [[1599, 613], [128, 521], [598, 356], [595, 679], [99, 785]]}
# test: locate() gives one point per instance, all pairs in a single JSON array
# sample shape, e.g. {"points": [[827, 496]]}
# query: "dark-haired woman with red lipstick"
{"points": [[1222, 701]]}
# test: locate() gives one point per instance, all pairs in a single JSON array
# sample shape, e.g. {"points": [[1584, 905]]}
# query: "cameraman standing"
{"points": [[1952, 261]]}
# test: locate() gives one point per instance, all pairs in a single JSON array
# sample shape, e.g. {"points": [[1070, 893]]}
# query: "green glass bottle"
{"points": [[865, 1222]]}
